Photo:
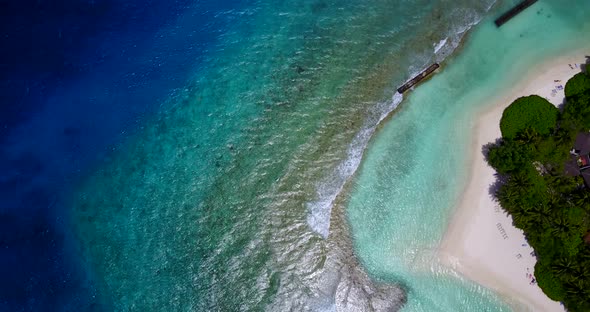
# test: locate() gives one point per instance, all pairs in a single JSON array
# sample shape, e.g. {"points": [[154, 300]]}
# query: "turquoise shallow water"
{"points": [[414, 169], [223, 200], [228, 198]]}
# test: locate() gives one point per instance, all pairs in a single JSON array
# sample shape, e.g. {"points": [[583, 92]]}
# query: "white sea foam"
{"points": [[319, 212], [441, 43], [453, 37]]}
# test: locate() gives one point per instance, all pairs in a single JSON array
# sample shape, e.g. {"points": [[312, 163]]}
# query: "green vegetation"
{"points": [[553, 209], [530, 111], [577, 84], [577, 91]]}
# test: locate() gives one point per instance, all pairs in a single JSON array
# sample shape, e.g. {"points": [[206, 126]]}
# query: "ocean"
{"points": [[203, 156], [415, 168]]}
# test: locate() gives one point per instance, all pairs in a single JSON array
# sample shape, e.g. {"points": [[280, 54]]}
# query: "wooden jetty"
{"points": [[513, 12], [412, 82]]}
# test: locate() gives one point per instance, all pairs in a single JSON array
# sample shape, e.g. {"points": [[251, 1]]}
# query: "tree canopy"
{"points": [[577, 113], [577, 84], [553, 209], [532, 112]]}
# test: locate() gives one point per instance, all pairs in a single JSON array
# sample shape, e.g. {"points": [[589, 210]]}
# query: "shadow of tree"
{"points": [[561, 106], [495, 187], [485, 149], [584, 66]]}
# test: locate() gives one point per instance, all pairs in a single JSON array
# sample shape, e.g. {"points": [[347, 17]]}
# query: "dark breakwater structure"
{"points": [[513, 12], [412, 82]]}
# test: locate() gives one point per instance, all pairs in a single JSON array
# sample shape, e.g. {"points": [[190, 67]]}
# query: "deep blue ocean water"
{"points": [[75, 78], [196, 155]]}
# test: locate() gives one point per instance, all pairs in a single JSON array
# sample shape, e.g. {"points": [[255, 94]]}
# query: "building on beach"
{"points": [[579, 164]]}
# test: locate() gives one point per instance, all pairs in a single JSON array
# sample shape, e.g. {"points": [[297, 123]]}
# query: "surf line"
{"points": [[421, 76]]}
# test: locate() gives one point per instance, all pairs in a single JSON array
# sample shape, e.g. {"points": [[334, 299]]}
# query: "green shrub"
{"points": [[548, 282], [549, 152], [576, 112], [532, 112], [508, 156], [577, 85]]}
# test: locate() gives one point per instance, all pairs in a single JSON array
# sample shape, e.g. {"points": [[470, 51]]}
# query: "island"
{"points": [[482, 241], [543, 182]]}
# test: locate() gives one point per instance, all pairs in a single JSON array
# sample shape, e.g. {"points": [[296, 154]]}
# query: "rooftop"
{"points": [[582, 144], [586, 176], [581, 149]]}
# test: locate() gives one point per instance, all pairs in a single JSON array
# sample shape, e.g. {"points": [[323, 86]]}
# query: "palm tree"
{"points": [[575, 288], [528, 136], [563, 137], [541, 214], [582, 199], [556, 181], [584, 271], [560, 226], [584, 255], [523, 220], [554, 200], [520, 182], [507, 197]]}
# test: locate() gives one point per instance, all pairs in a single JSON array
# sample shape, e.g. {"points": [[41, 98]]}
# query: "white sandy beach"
{"points": [[481, 243]]}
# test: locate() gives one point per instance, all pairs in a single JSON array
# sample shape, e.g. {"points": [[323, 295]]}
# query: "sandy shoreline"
{"points": [[481, 243]]}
